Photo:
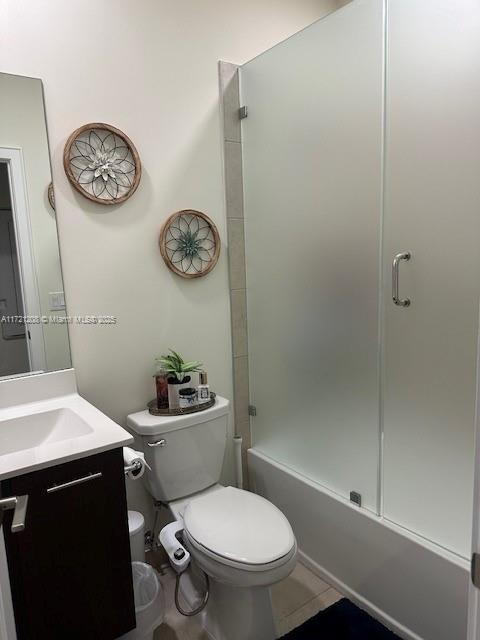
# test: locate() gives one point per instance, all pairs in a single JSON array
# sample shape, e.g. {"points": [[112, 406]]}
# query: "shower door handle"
{"points": [[405, 255]]}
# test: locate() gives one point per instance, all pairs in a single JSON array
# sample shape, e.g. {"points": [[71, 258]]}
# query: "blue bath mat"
{"points": [[342, 621]]}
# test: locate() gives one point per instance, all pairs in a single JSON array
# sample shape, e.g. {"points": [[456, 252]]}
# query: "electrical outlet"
{"points": [[57, 301]]}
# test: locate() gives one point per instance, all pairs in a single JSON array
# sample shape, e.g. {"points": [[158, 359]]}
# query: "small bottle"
{"points": [[203, 390], [161, 386]]}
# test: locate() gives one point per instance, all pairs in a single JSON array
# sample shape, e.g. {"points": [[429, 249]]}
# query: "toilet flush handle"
{"points": [[177, 554], [157, 443]]}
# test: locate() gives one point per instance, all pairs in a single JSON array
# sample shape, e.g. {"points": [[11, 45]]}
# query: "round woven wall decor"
{"points": [[189, 243], [102, 163]]}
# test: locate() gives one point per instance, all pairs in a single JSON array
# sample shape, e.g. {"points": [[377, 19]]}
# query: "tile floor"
{"points": [[296, 599]]}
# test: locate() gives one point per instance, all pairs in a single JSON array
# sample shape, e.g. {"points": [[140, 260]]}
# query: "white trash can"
{"points": [[149, 602], [136, 531]]}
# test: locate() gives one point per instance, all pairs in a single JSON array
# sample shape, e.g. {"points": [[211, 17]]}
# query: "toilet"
{"points": [[241, 541]]}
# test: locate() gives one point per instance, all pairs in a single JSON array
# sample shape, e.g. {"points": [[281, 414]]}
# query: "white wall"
{"points": [[150, 68]]}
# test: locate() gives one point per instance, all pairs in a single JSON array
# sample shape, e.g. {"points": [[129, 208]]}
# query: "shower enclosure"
{"points": [[361, 164]]}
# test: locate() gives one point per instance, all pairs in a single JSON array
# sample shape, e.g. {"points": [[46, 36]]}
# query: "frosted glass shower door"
{"points": [[312, 147], [432, 209]]}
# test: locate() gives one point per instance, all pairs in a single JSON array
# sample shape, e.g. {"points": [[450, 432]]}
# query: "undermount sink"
{"points": [[40, 429]]}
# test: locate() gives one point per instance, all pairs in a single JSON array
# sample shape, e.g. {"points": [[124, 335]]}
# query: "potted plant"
{"points": [[178, 371]]}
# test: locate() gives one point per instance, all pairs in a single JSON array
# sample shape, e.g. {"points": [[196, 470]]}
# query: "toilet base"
{"points": [[238, 613]]}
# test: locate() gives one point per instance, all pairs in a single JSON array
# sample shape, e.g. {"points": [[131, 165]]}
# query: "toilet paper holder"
{"points": [[135, 466], [134, 463]]}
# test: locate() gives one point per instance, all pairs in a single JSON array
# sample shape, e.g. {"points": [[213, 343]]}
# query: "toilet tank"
{"points": [[185, 452]]}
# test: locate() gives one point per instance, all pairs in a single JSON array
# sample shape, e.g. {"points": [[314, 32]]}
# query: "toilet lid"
{"points": [[240, 526]]}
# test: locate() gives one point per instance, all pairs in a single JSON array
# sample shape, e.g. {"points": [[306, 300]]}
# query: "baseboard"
{"points": [[356, 598]]}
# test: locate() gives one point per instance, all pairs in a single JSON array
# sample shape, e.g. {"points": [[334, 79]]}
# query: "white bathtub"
{"points": [[414, 587]]}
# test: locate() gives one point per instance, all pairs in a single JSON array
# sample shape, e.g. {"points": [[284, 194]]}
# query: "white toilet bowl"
{"points": [[241, 541], [244, 544]]}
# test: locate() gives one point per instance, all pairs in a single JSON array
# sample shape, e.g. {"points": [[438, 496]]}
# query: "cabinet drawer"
{"points": [[41, 481]]}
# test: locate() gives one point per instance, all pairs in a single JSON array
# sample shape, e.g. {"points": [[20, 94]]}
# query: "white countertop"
{"points": [[26, 396], [105, 434]]}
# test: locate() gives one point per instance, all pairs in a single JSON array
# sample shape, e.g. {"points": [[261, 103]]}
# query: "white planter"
{"points": [[173, 389]]}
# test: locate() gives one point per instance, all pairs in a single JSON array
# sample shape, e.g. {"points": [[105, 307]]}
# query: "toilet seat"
{"points": [[239, 529], [197, 550]]}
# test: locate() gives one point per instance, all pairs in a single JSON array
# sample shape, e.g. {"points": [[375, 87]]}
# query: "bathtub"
{"points": [[414, 587]]}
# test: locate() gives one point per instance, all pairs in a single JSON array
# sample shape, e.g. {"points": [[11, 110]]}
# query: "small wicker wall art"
{"points": [[101, 163], [189, 243]]}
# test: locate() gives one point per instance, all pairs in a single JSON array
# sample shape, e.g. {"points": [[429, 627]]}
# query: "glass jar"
{"points": [[188, 397]]}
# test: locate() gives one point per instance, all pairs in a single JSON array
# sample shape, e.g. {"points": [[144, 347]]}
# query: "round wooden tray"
{"points": [[152, 408]]}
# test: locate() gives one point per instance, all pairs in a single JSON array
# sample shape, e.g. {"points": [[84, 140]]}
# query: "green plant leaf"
{"points": [[177, 356], [192, 366], [174, 363]]}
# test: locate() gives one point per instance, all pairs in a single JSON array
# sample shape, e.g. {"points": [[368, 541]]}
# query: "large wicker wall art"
{"points": [[102, 163]]}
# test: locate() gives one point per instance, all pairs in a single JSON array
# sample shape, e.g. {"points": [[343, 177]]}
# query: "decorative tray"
{"points": [[155, 411]]}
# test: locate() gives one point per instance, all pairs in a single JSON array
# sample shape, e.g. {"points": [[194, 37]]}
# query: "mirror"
{"points": [[33, 321]]}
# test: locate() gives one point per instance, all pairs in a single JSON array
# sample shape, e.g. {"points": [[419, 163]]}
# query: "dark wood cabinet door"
{"points": [[70, 568]]}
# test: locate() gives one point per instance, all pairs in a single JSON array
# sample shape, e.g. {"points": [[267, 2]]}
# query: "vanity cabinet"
{"points": [[70, 570]]}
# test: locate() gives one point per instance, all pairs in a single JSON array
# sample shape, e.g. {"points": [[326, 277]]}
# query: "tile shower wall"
{"points": [[232, 153]]}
